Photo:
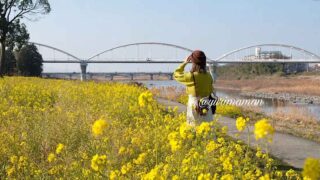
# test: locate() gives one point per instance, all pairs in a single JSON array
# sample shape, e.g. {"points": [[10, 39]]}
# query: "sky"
{"points": [[85, 28]]}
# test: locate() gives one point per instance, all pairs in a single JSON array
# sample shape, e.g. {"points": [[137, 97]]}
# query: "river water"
{"points": [[269, 107]]}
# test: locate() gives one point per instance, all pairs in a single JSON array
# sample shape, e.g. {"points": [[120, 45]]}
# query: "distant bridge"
{"points": [[254, 54], [261, 53], [118, 61], [110, 75]]}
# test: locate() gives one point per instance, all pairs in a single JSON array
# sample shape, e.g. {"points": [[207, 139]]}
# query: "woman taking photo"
{"points": [[198, 84]]}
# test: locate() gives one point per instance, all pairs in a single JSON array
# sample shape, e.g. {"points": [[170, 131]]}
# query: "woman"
{"points": [[198, 85]]}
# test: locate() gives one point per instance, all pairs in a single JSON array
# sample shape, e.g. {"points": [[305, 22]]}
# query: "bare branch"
{"points": [[6, 4], [36, 8], [9, 12], [19, 15], [9, 5]]}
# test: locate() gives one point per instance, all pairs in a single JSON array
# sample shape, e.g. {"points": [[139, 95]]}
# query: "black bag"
{"points": [[204, 104]]}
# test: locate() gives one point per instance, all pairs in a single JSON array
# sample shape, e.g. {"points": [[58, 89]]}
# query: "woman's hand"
{"points": [[187, 59]]}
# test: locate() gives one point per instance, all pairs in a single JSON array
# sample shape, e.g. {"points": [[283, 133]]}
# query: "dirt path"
{"points": [[290, 149]]}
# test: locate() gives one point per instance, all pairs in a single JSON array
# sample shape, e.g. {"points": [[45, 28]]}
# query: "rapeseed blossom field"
{"points": [[67, 129]]}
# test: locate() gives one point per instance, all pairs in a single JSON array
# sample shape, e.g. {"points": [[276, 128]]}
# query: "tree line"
{"points": [[17, 55], [248, 70]]}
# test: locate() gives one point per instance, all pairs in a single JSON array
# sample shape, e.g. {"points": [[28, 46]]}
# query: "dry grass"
{"points": [[296, 122], [169, 92], [307, 85]]}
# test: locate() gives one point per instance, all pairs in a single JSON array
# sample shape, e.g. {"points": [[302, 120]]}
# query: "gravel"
{"points": [[296, 98]]}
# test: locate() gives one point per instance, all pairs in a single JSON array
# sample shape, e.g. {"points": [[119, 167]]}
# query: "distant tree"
{"points": [[16, 39], [29, 61], [247, 70], [11, 11]]}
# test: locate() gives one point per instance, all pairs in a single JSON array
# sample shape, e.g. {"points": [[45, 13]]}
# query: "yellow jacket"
{"points": [[203, 81]]}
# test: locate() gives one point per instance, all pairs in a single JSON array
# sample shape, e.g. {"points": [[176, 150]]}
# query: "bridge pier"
{"points": [[151, 76], [170, 76], [90, 76], [83, 66], [213, 71], [131, 77]]}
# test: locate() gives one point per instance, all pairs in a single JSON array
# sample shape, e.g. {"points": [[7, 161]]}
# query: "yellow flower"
{"points": [[140, 160], [136, 141], [185, 131], [311, 168], [290, 173], [211, 146], [85, 172], [174, 145], [227, 177], [126, 168], [153, 174], [51, 157], [145, 98], [265, 177], [174, 142], [238, 148], [175, 177], [227, 166], [204, 176], [221, 140], [149, 143], [13, 159], [259, 154], [98, 127], [241, 123], [262, 129], [121, 150], [203, 129], [258, 172], [37, 172], [279, 174], [114, 174], [23, 162], [59, 148], [97, 162], [10, 171]]}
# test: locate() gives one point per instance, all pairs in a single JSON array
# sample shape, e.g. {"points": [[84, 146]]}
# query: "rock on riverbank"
{"points": [[296, 98]]}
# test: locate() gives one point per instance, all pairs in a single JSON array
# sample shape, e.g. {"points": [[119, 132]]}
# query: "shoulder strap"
{"points": [[194, 80]]}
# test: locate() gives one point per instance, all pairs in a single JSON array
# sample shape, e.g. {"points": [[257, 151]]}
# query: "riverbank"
{"points": [[294, 89], [296, 122], [290, 149], [291, 97], [302, 89]]}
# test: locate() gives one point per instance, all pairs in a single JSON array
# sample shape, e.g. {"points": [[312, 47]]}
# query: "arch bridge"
{"points": [[144, 53]]}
